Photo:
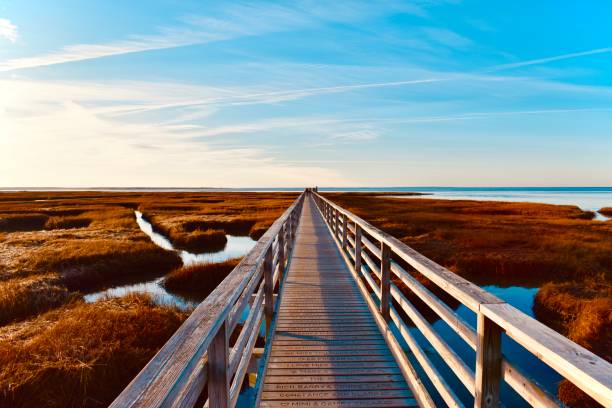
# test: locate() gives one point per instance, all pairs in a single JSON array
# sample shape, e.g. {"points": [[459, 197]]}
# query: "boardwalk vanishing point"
{"points": [[325, 292]]}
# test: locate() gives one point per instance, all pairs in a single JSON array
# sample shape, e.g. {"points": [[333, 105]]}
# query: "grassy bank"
{"points": [[81, 354], [607, 211], [202, 278]]}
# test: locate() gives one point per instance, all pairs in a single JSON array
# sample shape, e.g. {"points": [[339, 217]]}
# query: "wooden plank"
{"points": [[330, 347], [313, 353], [339, 386], [322, 379], [330, 359], [404, 402], [336, 394], [343, 365]]}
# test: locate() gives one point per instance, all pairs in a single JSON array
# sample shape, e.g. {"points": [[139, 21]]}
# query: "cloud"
{"points": [[54, 133], [550, 59], [80, 52], [447, 37], [229, 22], [8, 30], [279, 96]]}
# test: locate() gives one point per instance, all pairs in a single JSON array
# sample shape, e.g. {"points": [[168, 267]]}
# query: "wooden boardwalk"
{"points": [[327, 350], [338, 335]]}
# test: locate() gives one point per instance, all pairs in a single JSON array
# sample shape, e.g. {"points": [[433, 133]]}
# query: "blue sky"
{"points": [[193, 93]]}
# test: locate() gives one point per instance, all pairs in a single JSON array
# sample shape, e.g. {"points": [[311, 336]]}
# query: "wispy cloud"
{"points": [[227, 22], [447, 37], [81, 52], [545, 60], [61, 126], [8, 30], [278, 96]]}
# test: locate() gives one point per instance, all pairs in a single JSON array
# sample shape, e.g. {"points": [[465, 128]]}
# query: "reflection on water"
{"points": [[235, 247], [154, 288], [519, 297]]}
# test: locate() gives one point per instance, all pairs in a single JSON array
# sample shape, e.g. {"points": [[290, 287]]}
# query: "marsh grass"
{"points": [[607, 211], [199, 241], [22, 298], [82, 354], [26, 222], [202, 278], [494, 242], [67, 222], [583, 312], [55, 350], [86, 264]]}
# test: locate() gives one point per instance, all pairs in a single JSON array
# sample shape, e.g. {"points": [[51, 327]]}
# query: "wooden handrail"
{"points": [[584, 369], [198, 354]]}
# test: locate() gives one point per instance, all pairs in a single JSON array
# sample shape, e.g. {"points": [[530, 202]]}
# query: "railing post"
{"points": [[357, 249], [344, 231], [488, 363], [218, 381], [289, 232], [336, 221], [268, 290], [385, 280], [281, 253]]}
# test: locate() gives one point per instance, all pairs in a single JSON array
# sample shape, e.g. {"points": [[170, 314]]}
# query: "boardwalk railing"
{"points": [[375, 258], [199, 354]]}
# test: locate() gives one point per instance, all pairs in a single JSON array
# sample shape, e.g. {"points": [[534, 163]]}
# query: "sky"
{"points": [[300, 93]]}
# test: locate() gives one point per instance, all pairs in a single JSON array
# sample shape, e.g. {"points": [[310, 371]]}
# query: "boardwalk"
{"points": [[327, 349], [339, 332]]}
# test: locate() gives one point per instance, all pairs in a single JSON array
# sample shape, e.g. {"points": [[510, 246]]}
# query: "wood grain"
{"points": [[327, 349]]}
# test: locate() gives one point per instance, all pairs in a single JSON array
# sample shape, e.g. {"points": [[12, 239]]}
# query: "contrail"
{"points": [[549, 59]]}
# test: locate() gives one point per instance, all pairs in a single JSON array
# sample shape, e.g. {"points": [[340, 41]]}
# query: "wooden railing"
{"points": [[199, 354], [375, 258]]}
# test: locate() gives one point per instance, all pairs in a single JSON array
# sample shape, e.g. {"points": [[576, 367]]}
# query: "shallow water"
{"points": [[235, 247], [588, 199], [153, 287]]}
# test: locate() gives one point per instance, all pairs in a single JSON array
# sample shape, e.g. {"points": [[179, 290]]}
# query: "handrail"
{"points": [[199, 353], [584, 369]]}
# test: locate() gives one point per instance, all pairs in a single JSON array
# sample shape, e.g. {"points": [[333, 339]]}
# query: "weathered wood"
{"points": [[324, 328], [244, 362], [488, 364], [353, 403], [218, 378], [385, 280], [268, 290], [336, 394], [338, 386], [449, 356], [447, 394], [281, 252], [357, 256], [344, 231], [589, 372]]}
